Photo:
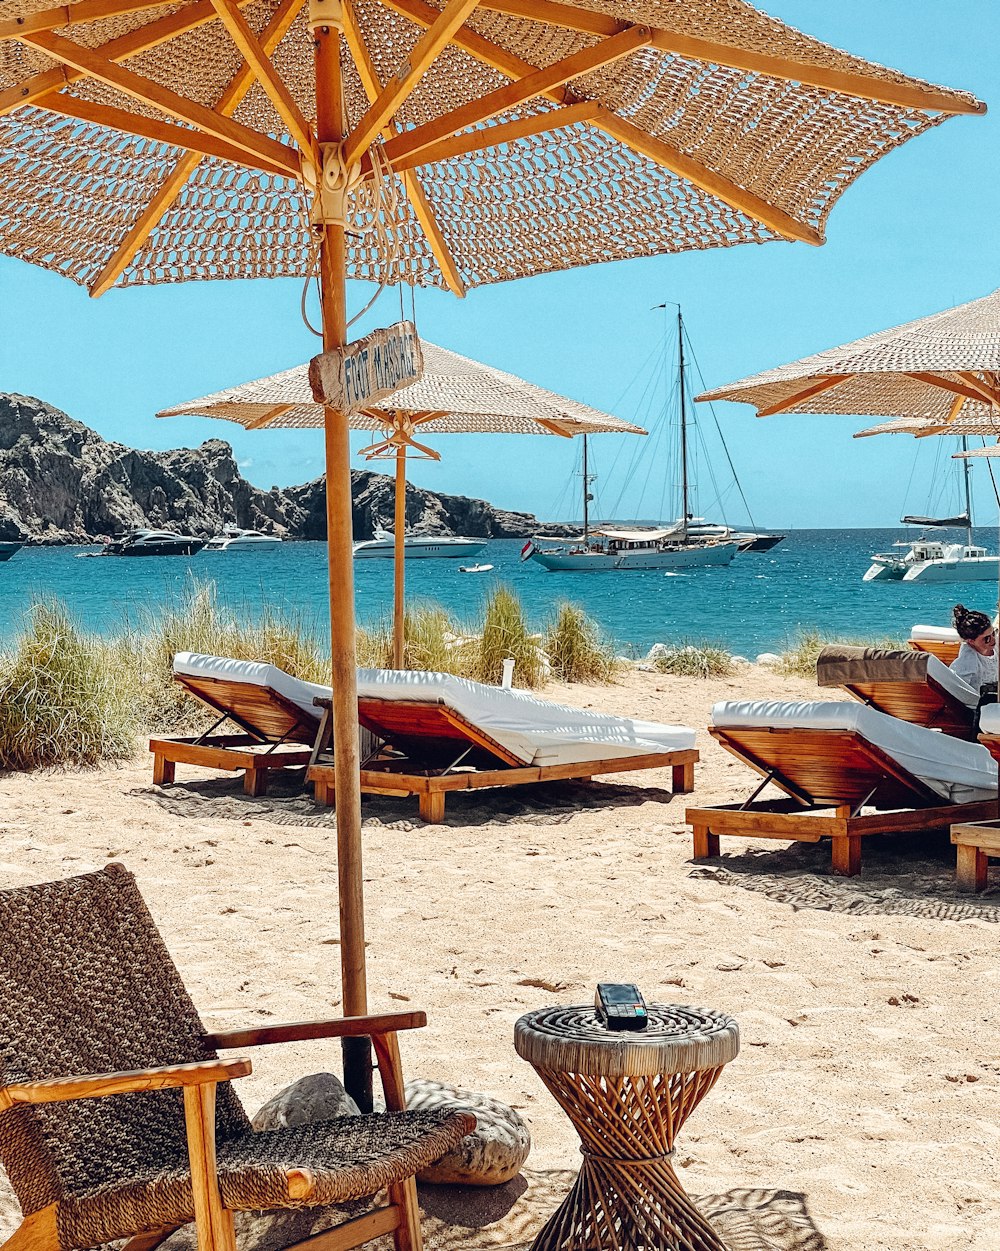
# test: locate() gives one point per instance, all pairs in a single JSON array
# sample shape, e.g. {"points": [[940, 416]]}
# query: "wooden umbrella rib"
{"points": [[708, 180], [258, 423], [260, 63], [194, 141], [130, 44], [173, 184], [506, 132], [415, 192], [433, 41], [971, 392], [72, 15], [989, 393], [475, 45], [531, 86], [146, 91], [907, 95], [816, 387]]}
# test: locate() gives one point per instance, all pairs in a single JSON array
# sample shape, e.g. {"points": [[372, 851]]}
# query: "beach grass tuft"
{"points": [[799, 658], [62, 700], [696, 660], [505, 633], [577, 652], [196, 622]]}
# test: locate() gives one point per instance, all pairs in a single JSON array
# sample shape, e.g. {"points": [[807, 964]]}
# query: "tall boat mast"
{"points": [[586, 494], [684, 450], [968, 493]]}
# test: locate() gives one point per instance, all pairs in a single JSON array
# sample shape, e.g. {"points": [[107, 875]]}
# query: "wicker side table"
{"points": [[627, 1095]]}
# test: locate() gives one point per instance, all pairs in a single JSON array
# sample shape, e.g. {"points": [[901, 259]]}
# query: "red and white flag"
{"points": [[526, 551]]}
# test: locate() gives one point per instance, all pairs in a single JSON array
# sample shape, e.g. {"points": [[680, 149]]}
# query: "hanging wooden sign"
{"points": [[368, 370]]}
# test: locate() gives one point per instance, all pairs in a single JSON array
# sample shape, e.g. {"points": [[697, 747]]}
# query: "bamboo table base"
{"points": [[627, 1095]]}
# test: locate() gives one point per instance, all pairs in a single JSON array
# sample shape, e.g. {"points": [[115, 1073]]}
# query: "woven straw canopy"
{"points": [[988, 424], [934, 372], [455, 396], [144, 143]]}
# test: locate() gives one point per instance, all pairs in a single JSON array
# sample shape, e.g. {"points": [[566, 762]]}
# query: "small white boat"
{"points": [[474, 568], [416, 547], [233, 538]]}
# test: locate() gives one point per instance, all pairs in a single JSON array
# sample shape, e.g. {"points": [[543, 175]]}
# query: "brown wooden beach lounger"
{"points": [[428, 749], [911, 685], [119, 1120], [849, 773], [276, 731]]}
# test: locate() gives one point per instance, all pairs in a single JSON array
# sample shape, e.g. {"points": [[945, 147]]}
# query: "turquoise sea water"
{"points": [[759, 603]]}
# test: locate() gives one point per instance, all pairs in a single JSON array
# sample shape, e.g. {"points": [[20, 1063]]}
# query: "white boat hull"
{"points": [[669, 558], [976, 569], [422, 549]]}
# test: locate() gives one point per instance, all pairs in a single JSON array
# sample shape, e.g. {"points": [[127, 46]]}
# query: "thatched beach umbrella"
{"points": [[920, 427], [455, 395], [940, 369], [449, 144]]}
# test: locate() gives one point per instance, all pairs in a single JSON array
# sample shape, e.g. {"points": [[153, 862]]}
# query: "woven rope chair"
{"points": [[93, 1007]]}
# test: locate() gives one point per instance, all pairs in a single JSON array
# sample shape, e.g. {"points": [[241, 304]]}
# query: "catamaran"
{"points": [[677, 545], [934, 560]]}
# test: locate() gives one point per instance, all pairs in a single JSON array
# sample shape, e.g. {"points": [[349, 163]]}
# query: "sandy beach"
{"points": [[866, 1091]]}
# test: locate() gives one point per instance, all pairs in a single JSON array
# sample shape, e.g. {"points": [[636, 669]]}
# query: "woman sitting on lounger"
{"points": [[976, 662]]}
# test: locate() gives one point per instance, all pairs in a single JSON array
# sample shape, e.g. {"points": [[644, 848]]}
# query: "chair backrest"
{"points": [[89, 987], [263, 712]]}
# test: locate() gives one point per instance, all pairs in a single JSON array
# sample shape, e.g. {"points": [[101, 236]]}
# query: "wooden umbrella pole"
{"points": [[347, 769], [399, 570]]}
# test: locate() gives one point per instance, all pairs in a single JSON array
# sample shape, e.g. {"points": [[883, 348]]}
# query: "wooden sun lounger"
{"points": [[428, 749], [926, 703], [276, 733], [830, 776]]}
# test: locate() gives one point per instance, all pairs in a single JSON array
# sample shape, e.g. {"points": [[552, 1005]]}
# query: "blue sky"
{"points": [[917, 233]]}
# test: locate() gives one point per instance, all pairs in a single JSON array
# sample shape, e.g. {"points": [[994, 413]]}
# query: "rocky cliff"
{"points": [[60, 482]]}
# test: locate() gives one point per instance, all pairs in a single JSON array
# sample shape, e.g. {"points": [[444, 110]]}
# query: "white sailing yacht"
{"points": [[622, 547], [934, 560]]}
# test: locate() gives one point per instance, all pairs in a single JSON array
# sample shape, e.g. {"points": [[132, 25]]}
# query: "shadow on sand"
{"points": [[287, 803], [901, 875]]}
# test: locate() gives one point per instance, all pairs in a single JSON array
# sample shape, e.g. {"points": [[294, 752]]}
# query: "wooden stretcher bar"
{"points": [[830, 777]]}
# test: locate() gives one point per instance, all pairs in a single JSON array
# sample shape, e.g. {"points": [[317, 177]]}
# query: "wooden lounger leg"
{"points": [[324, 793], [706, 844], [163, 770], [255, 781], [847, 855], [971, 868], [683, 780], [431, 805]]}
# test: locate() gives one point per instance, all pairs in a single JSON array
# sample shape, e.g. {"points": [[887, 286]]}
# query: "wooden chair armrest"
{"points": [[301, 1031], [94, 1085]]}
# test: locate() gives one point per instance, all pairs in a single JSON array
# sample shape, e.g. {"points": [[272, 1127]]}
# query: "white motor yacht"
{"points": [[416, 547], [233, 538]]}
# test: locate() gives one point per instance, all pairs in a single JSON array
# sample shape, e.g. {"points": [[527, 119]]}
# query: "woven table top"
{"points": [[678, 1039]]}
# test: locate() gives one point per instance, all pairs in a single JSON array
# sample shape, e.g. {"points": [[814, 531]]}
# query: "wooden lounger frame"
{"points": [[830, 776], [428, 749], [945, 650], [276, 733], [925, 703], [974, 844]]}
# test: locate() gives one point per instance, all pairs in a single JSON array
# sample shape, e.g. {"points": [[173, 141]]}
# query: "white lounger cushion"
{"points": [[989, 719], [537, 732], [934, 634], [957, 771], [951, 682]]}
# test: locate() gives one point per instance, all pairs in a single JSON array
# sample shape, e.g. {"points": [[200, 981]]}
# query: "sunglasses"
{"points": [[988, 637]]}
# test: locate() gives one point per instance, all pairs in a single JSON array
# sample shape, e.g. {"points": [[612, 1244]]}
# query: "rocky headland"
{"points": [[61, 482]]}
